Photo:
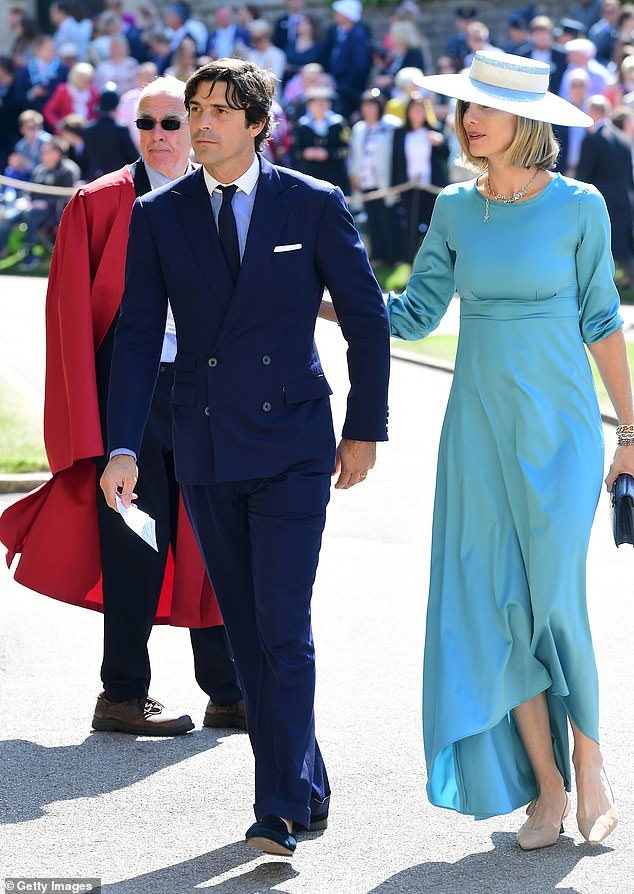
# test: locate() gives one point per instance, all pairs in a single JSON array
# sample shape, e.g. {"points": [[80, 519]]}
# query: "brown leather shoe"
{"points": [[138, 716], [225, 716]]}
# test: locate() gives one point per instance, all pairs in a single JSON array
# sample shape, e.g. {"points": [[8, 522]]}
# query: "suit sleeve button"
{"points": [[212, 362], [266, 360], [266, 406], [207, 411]]}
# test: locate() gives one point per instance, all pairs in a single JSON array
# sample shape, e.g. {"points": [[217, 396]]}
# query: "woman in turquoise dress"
{"points": [[509, 663]]}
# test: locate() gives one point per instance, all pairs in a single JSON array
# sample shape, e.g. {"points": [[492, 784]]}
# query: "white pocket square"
{"points": [[294, 247]]}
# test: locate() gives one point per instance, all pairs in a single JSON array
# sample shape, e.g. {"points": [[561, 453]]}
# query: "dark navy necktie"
{"points": [[228, 232]]}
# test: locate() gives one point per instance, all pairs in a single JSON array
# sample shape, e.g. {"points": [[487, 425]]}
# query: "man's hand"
{"points": [[354, 460], [119, 477]]}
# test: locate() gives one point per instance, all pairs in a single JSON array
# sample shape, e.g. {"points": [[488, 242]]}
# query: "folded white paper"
{"points": [[139, 522]]}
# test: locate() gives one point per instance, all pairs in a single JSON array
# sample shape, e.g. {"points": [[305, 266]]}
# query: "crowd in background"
{"points": [[350, 107]]}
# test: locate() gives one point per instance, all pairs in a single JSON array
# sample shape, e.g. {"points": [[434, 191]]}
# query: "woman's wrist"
{"points": [[625, 435]]}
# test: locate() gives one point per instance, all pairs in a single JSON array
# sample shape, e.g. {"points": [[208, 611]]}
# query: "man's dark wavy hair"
{"points": [[249, 87]]}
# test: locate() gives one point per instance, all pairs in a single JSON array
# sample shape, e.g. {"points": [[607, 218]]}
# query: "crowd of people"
{"points": [[349, 109]]}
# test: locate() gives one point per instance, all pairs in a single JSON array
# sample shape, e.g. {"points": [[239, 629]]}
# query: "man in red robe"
{"points": [[72, 546]]}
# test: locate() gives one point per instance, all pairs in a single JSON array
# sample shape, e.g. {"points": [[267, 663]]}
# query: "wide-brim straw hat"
{"points": [[512, 84]]}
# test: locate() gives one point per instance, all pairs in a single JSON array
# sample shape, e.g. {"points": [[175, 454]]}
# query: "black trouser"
{"points": [[382, 230], [133, 572], [417, 206]]}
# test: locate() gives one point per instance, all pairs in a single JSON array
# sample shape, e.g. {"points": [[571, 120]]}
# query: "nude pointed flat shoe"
{"points": [[532, 839], [596, 829]]}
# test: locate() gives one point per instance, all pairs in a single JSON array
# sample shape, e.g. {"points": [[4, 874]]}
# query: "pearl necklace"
{"points": [[507, 200]]}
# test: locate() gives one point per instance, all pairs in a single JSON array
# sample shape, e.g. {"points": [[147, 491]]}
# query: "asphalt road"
{"points": [[168, 816]]}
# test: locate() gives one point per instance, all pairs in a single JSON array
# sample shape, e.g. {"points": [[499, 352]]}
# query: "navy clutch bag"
{"points": [[622, 509]]}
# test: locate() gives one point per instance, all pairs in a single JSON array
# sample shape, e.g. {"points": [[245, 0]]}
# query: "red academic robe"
{"points": [[55, 527]]}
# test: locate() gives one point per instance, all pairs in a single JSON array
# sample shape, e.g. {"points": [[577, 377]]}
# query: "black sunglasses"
{"points": [[166, 123]]}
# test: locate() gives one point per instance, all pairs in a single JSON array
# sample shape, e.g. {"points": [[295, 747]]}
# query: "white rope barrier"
{"points": [[40, 188]]}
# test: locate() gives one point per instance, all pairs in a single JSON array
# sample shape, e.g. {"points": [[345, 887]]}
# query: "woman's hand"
{"points": [[623, 462]]}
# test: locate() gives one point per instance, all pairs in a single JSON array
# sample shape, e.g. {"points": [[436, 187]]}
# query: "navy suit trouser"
{"points": [[260, 540], [132, 573]]}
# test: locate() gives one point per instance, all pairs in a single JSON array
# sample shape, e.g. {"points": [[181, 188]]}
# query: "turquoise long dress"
{"points": [[519, 475]]}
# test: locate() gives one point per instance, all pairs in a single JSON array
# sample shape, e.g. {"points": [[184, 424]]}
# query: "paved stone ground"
{"points": [[168, 816]]}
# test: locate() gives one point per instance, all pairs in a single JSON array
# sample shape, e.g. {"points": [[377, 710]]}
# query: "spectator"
{"points": [[294, 98], [78, 95], [370, 169], [348, 54], [285, 31], [71, 128], [605, 33], [277, 149], [24, 32], [420, 153], [119, 68], [9, 109], [606, 162], [29, 147], [35, 83], [406, 42], [616, 92], [55, 169], [478, 39], [457, 46], [246, 14], [625, 26], [580, 54], [544, 49], [567, 30], [126, 110], [68, 29], [587, 12], [159, 50], [108, 144], [321, 140], [227, 38], [571, 138], [108, 25], [407, 83], [517, 33], [307, 46], [263, 52], [184, 60], [178, 19]]}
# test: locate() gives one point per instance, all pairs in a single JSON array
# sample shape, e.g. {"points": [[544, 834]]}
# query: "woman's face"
{"points": [[416, 115], [305, 28], [370, 112], [490, 131]]}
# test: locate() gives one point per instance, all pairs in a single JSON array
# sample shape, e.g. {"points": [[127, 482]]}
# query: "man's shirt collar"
{"points": [[246, 182]]}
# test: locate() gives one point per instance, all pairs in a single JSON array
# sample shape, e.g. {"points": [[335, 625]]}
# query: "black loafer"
{"points": [[271, 836]]}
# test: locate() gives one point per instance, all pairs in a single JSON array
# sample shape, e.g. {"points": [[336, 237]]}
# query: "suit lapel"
{"points": [[271, 206], [194, 209]]}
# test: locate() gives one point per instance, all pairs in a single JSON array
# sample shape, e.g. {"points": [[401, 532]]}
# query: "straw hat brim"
{"points": [[545, 107]]}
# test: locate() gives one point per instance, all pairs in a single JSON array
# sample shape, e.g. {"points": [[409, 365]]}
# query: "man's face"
{"points": [[51, 156], [167, 151], [55, 15], [542, 38], [46, 51], [222, 140], [223, 17]]}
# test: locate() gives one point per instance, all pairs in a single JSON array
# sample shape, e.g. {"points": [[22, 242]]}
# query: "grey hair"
{"points": [[169, 86]]}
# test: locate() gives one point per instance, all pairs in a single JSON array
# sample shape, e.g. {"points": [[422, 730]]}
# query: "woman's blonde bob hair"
{"points": [[534, 144]]}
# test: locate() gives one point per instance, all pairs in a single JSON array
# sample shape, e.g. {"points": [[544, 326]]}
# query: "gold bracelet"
{"points": [[624, 430]]}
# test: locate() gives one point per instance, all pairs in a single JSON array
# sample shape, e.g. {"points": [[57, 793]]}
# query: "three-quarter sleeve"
{"points": [[598, 295], [419, 309]]}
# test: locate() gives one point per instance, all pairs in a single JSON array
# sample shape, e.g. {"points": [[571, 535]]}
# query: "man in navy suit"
{"points": [[244, 251]]}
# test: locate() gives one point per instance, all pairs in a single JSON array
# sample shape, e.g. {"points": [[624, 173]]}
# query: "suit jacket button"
{"points": [[207, 411], [266, 360], [212, 362], [266, 406]]}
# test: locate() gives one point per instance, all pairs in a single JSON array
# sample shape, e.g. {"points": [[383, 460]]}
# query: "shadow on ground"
{"points": [[34, 775], [504, 870], [199, 874]]}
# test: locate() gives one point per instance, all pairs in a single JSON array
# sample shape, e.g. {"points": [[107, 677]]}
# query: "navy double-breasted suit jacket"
{"points": [[250, 399]]}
